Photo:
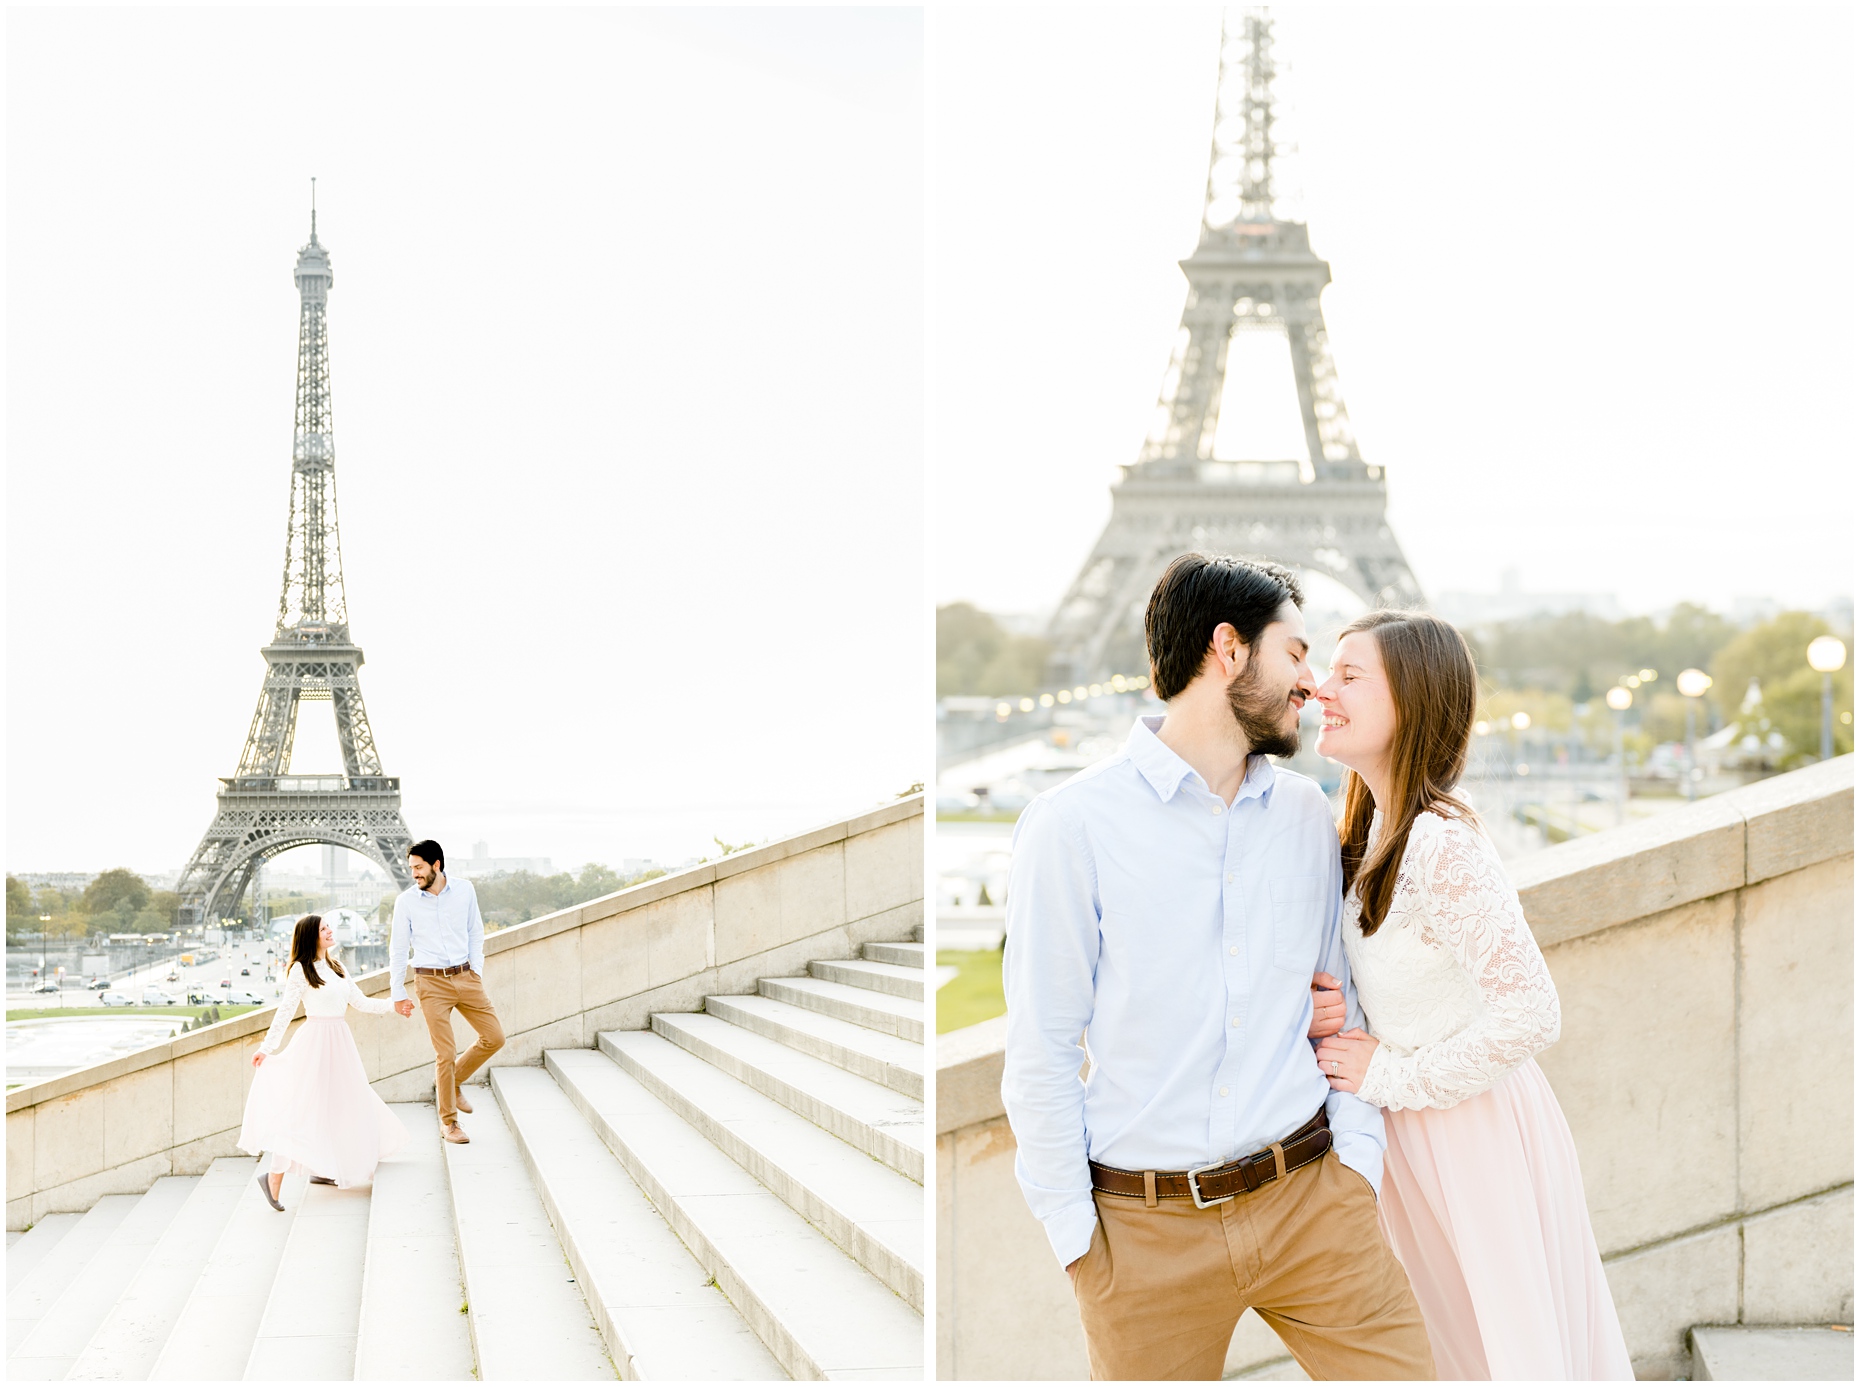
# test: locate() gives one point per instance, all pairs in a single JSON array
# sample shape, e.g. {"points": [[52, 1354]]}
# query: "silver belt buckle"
{"points": [[1194, 1186]]}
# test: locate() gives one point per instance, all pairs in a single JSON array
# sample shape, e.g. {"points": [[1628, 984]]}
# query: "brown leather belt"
{"points": [[445, 972], [1216, 1184]]}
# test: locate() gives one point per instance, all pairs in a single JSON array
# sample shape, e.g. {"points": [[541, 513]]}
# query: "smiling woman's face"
{"points": [[1359, 709], [326, 936]]}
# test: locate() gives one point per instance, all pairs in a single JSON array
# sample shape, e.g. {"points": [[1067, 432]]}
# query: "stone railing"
{"points": [[1705, 963], [664, 945]]}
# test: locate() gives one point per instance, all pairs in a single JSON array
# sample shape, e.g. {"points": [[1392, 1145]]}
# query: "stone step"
{"points": [[213, 1335], [658, 1310], [27, 1302], [875, 977], [874, 1214], [1748, 1353], [880, 1122], [46, 1354], [878, 1011], [917, 932], [410, 1327], [904, 955], [875, 1055], [818, 1311], [130, 1339], [321, 1267], [528, 1320], [24, 1251]]}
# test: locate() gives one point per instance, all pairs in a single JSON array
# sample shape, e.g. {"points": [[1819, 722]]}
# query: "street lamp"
{"points": [[1620, 699], [1827, 654], [1692, 683]]}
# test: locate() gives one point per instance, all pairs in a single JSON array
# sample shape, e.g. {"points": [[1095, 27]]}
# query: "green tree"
{"points": [[975, 656], [112, 891], [1775, 655], [19, 901]]}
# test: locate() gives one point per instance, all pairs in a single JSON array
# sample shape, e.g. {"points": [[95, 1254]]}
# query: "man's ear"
{"points": [[1228, 652]]}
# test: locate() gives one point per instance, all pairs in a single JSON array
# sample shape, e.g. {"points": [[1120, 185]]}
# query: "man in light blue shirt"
{"points": [[438, 930], [1171, 905]]}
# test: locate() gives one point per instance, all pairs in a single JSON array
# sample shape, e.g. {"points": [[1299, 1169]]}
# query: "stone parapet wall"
{"points": [[664, 945], [1705, 964]]}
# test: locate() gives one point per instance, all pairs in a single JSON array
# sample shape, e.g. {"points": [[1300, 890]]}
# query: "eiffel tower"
{"points": [[265, 809], [1251, 272]]}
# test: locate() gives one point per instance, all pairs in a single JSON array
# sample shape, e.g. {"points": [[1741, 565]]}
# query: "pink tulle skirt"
{"points": [[1483, 1204], [312, 1109]]}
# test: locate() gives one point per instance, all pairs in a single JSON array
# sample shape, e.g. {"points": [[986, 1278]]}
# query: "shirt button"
{"points": [[1230, 877], [1223, 1092], [1233, 948], [1234, 1022], [1214, 808]]}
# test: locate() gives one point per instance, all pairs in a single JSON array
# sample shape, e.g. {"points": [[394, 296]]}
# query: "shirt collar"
{"points": [[1166, 771]]}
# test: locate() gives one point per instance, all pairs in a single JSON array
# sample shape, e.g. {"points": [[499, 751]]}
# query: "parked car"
{"points": [[225, 982], [155, 997], [98, 984], [200, 999], [246, 999], [115, 999], [245, 972], [47, 986]]}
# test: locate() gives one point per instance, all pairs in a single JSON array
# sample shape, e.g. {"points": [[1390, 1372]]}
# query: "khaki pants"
{"points": [[439, 997], [1161, 1289]]}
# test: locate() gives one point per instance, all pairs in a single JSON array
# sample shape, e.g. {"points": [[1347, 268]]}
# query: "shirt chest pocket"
{"points": [[1298, 917]]}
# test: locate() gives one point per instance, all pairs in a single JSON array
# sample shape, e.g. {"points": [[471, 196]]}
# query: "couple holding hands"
{"points": [[1398, 1204], [310, 1106]]}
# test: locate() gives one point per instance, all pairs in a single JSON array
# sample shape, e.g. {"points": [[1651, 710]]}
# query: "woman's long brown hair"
{"points": [[303, 949], [1435, 687]]}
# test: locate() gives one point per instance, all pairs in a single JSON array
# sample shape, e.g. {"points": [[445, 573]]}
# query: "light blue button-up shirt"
{"points": [[1179, 935], [441, 931]]}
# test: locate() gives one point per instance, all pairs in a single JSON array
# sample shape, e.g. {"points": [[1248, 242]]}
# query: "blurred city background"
{"points": [[1563, 433]]}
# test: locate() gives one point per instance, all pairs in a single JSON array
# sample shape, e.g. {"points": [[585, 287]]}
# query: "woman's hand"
{"points": [[258, 1058], [1345, 1059], [1326, 1007]]}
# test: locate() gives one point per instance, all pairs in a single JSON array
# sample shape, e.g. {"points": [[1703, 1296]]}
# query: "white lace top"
{"points": [[1453, 983], [333, 998]]}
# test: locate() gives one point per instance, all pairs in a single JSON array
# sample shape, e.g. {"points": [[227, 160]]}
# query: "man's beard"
{"points": [[1261, 714]]}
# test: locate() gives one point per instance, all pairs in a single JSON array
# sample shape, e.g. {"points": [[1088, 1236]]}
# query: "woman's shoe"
{"points": [[320, 1180], [264, 1188]]}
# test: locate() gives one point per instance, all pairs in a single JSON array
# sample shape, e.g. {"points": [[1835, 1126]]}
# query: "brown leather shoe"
{"points": [[457, 1133], [458, 1096]]}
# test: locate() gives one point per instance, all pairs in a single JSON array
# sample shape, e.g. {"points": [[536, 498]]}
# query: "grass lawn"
{"points": [[44, 1013], [974, 994]]}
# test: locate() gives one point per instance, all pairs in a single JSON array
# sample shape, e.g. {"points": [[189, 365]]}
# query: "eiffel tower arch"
{"points": [[1325, 511], [265, 809]]}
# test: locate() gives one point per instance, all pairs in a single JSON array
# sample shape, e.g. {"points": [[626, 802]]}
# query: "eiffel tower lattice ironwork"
{"points": [[265, 809], [1251, 271]]}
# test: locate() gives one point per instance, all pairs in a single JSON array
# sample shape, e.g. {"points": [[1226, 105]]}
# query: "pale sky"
{"points": [[1593, 296], [626, 343]]}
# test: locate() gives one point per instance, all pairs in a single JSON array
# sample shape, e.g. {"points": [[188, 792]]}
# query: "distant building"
{"points": [[482, 864], [1512, 602], [64, 883]]}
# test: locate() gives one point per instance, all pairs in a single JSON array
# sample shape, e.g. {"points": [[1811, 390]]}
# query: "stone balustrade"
{"points": [[1705, 963], [661, 946]]}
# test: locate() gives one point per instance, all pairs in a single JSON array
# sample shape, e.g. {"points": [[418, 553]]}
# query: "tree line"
{"points": [[116, 902]]}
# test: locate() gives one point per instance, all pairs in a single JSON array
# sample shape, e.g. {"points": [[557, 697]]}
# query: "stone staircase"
{"points": [[735, 1193]]}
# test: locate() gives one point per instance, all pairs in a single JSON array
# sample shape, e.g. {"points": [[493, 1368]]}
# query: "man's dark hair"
{"points": [[1198, 592], [429, 851]]}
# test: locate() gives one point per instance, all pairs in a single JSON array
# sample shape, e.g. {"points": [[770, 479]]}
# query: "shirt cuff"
{"points": [[1362, 1153], [1069, 1231]]}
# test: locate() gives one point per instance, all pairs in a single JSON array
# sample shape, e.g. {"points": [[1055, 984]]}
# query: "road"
{"points": [[202, 977]]}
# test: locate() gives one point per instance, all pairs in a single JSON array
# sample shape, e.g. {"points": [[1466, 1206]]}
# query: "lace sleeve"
{"points": [[1468, 908], [375, 1006], [287, 1008]]}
